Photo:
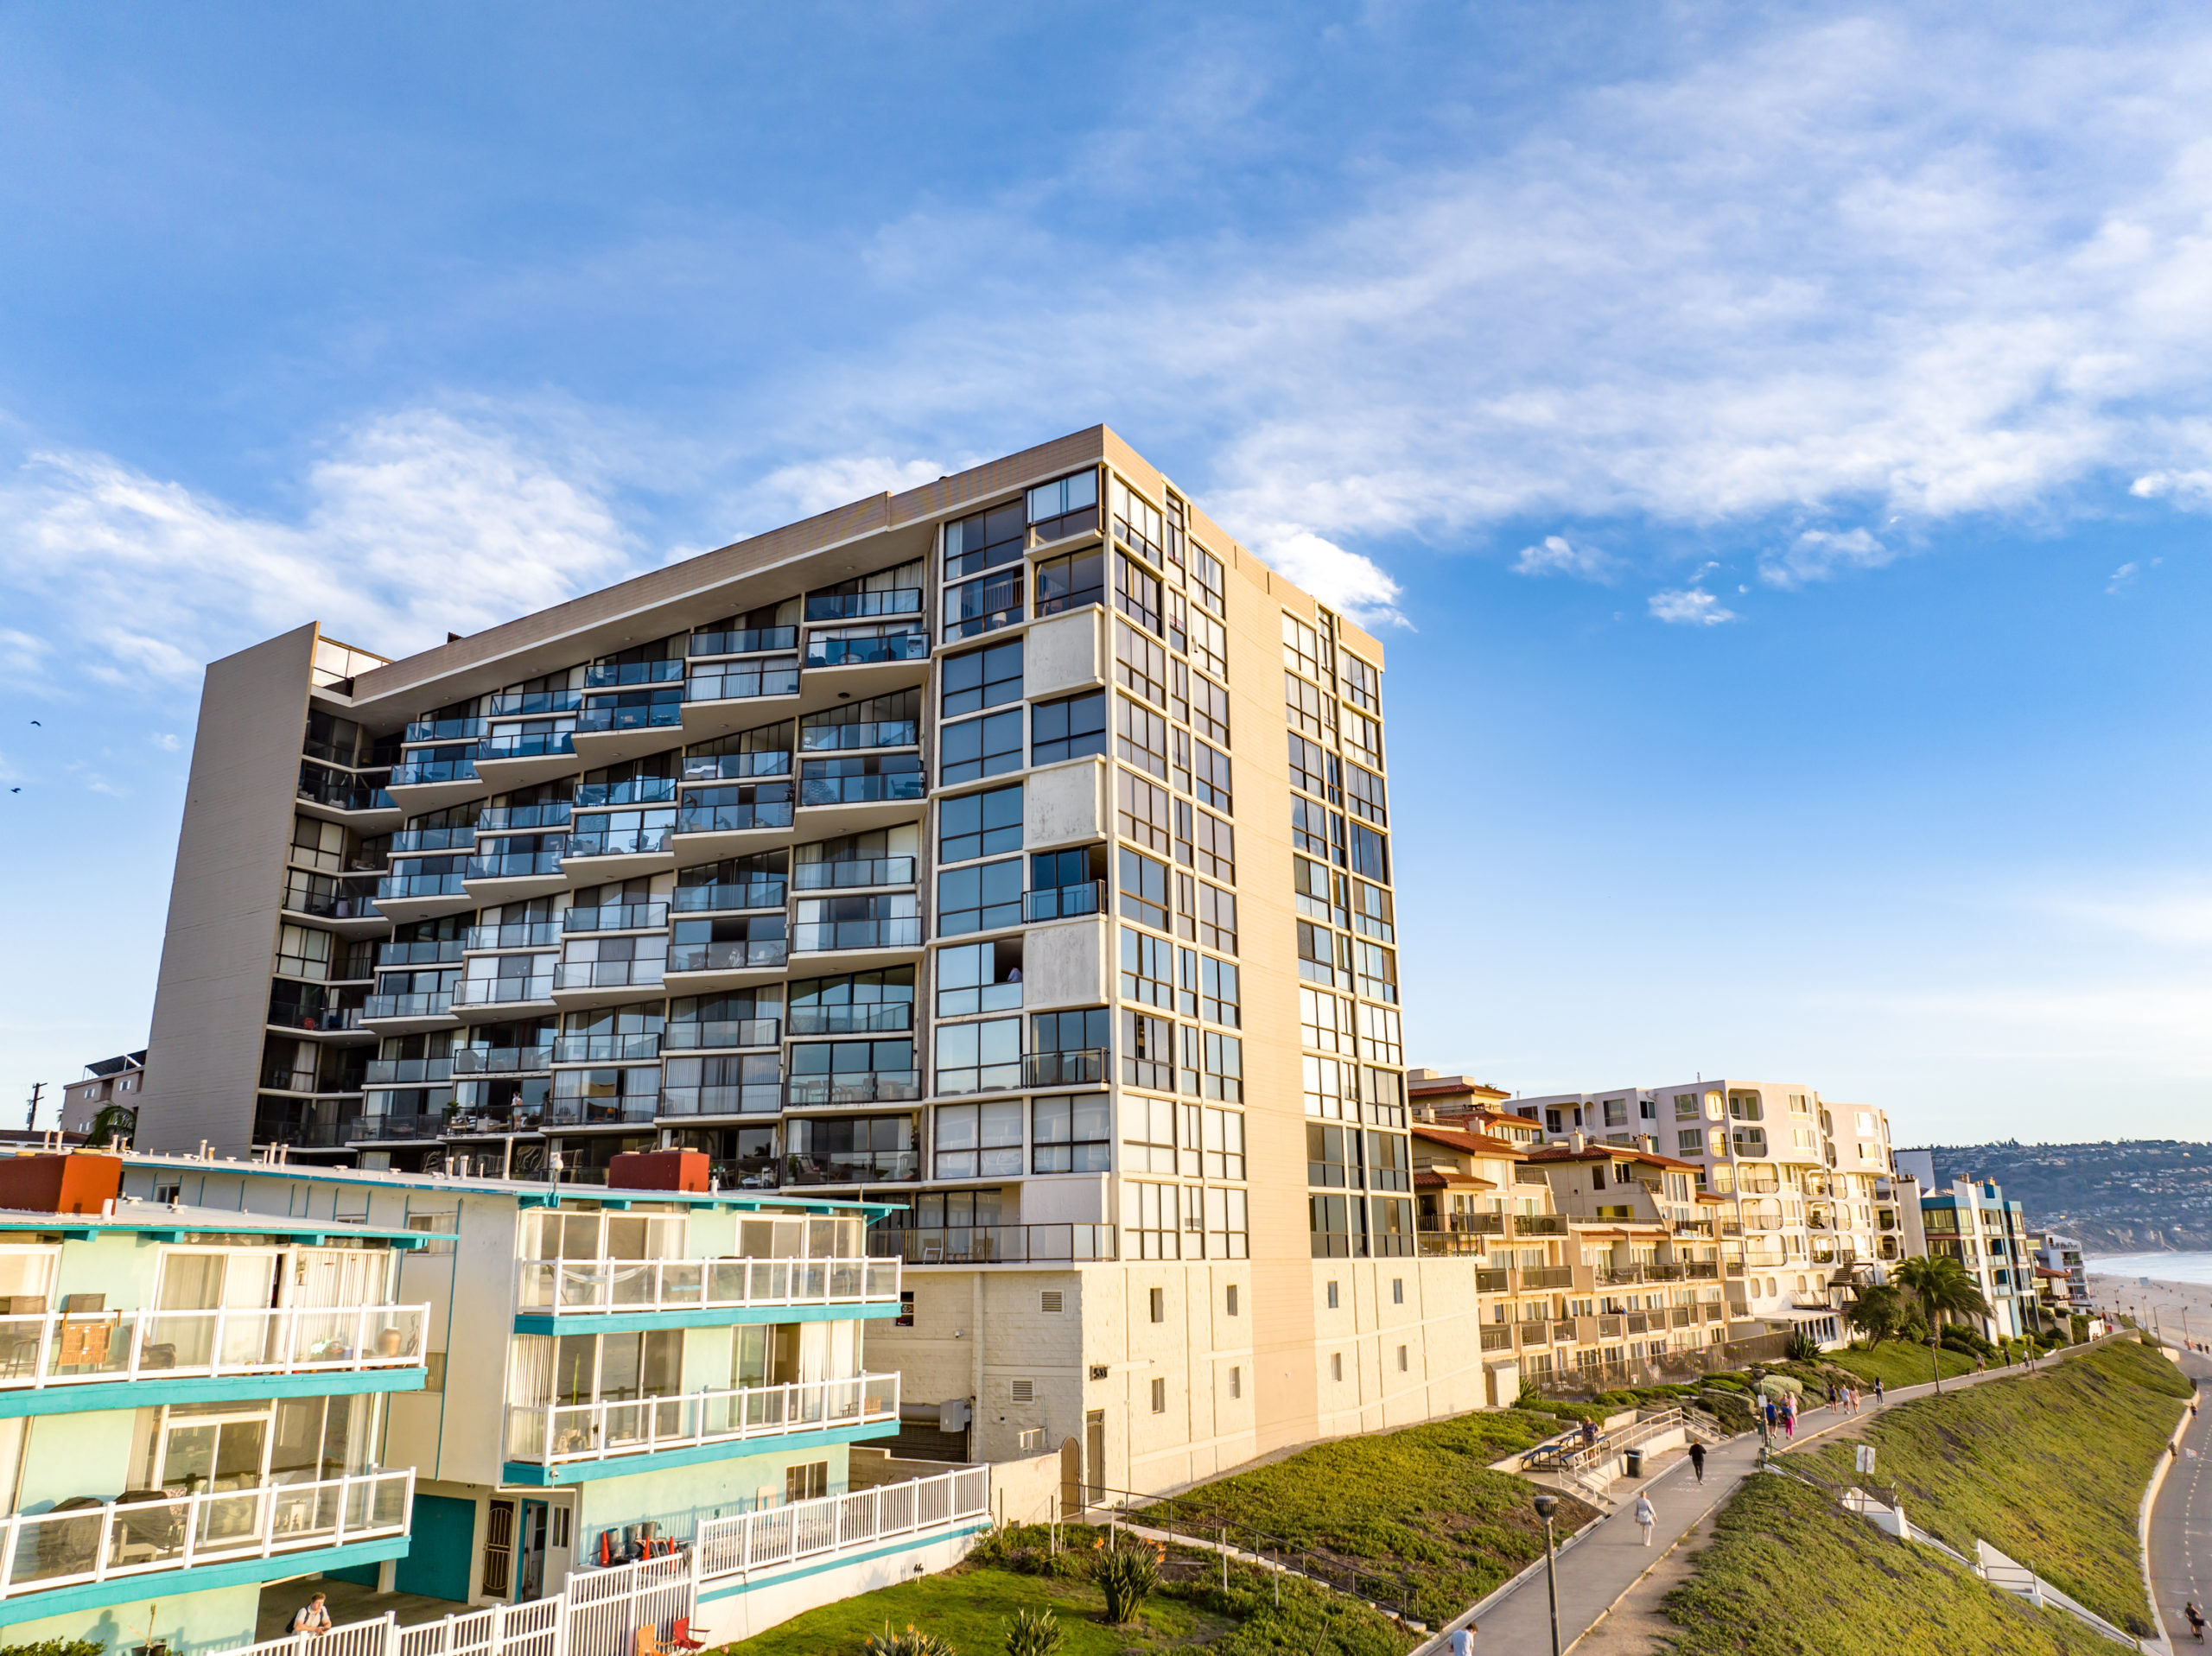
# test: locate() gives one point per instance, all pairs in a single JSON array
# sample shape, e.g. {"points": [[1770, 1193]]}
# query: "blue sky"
{"points": [[1775, 445]]}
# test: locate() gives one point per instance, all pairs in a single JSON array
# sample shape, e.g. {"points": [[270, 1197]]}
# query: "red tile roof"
{"points": [[1476, 1144]]}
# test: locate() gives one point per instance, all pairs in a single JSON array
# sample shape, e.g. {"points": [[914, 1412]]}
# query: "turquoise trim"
{"points": [[199, 1578], [781, 1576], [712, 1316], [87, 1397], [161, 1226], [734, 1449]]}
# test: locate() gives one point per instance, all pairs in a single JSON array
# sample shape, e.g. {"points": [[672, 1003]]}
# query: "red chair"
{"points": [[679, 1635]]}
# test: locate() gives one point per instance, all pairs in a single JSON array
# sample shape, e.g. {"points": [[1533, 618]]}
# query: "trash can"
{"points": [[1632, 1463]]}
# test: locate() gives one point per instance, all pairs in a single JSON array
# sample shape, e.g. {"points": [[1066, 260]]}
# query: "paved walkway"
{"points": [[2180, 1521], [1611, 1558]]}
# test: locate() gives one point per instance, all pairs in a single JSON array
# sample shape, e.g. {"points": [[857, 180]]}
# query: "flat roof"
{"points": [[132, 1214]]}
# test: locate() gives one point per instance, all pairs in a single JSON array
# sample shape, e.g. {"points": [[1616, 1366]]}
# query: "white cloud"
{"points": [[1822, 555], [791, 492], [1347, 581], [2123, 576], [2187, 489], [418, 523], [165, 741], [1555, 556], [1690, 607]]}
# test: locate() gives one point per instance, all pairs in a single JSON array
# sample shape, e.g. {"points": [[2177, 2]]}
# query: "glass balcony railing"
{"points": [[882, 733], [527, 745], [853, 873], [854, 652], [414, 1006], [433, 839], [517, 864], [503, 992], [332, 905], [417, 1127], [624, 842], [722, 1033], [605, 1048], [414, 773], [595, 1287], [743, 681], [404, 886], [735, 767], [607, 675], [855, 1087], [1539, 1224], [559, 1433], [616, 917], [854, 1167], [859, 607], [1064, 902], [533, 704], [500, 1060], [719, 898], [525, 933], [599, 719], [870, 1018], [743, 641], [1085, 1067], [517, 819], [631, 791], [606, 974], [755, 1098], [340, 791], [406, 1072], [860, 791], [994, 1244], [734, 819], [420, 952], [444, 730], [638, 1107], [740, 955], [825, 937]]}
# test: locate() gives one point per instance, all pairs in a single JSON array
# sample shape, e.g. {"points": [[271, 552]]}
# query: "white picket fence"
{"points": [[598, 1612]]}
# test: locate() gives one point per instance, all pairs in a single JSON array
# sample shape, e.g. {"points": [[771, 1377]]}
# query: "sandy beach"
{"points": [[2178, 1309]]}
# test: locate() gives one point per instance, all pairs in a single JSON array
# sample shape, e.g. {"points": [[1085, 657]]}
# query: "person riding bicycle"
{"points": [[2195, 1619]]}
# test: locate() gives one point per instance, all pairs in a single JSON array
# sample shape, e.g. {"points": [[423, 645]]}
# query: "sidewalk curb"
{"points": [[1504, 1590], [1666, 1553], [2142, 1521]]}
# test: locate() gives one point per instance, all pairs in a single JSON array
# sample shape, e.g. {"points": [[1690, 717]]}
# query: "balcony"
{"points": [[428, 951], [704, 968], [854, 1167], [399, 1013], [433, 839], [741, 641], [730, 898], [760, 766], [408, 1072], [421, 897], [500, 1060], [852, 1087], [1064, 902], [1466, 1224], [604, 983], [1545, 1276], [1563, 1333], [560, 1434], [996, 1245], [1700, 1271], [57, 1348], [889, 645], [421, 1128], [421, 783], [596, 1287], [864, 1018], [359, 800], [614, 854], [443, 729], [513, 876], [743, 1098], [882, 732], [605, 1049], [631, 1109], [1693, 1227], [1539, 1224], [348, 908], [627, 725], [522, 759], [1497, 1337], [1493, 1279], [713, 832], [1088, 1067], [519, 991], [855, 874], [115, 1539], [723, 700], [526, 934], [841, 796], [861, 606], [607, 675], [532, 704], [826, 939]]}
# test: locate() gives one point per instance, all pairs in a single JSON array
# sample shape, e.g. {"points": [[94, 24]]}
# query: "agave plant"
{"points": [[1125, 1575], [913, 1642], [1032, 1632]]}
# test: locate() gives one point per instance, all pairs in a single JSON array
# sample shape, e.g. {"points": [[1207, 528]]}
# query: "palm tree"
{"points": [[1942, 1287]]}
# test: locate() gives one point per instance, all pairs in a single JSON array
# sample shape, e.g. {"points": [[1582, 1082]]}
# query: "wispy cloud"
{"points": [[1689, 606], [2125, 575], [1347, 581], [1822, 555], [1555, 556]]}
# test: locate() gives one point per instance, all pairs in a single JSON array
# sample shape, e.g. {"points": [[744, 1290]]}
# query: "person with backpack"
{"points": [[2196, 1618], [1697, 1460]]}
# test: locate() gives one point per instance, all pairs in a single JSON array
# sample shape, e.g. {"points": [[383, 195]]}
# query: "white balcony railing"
{"points": [[833, 1524], [555, 1433], [96, 1543], [580, 1286], [64, 1347]]}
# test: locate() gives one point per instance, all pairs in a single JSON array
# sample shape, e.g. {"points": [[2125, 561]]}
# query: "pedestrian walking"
{"points": [[1697, 1460], [1589, 1433], [1773, 1416], [1832, 1394], [1790, 1424], [1463, 1640], [1878, 1399], [314, 1616], [1646, 1517]]}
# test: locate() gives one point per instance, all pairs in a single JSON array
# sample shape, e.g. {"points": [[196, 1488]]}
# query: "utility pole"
{"points": [[30, 1115]]}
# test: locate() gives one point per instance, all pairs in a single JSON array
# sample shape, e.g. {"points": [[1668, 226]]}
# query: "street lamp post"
{"points": [[1547, 1504]]}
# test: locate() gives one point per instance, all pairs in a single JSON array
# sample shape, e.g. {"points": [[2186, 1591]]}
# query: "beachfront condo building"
{"points": [[1012, 854]]}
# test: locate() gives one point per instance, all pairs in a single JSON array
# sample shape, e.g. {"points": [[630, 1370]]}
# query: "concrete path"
{"points": [[1610, 1558], [2181, 1521]]}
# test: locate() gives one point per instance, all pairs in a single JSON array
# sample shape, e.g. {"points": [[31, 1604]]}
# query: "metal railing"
{"points": [[852, 873], [856, 607], [607, 974], [718, 898], [1539, 1224], [833, 1524], [721, 1032], [740, 955], [882, 733], [524, 934], [737, 767], [861, 1017], [558, 1433], [855, 1087], [502, 991], [743, 641], [830, 936], [775, 675], [1064, 902], [1083, 1067], [731, 1098], [406, 1072], [52, 1348], [996, 1244], [500, 1060], [605, 1048], [415, 1005], [852, 652], [734, 819], [117, 1539], [888, 788], [595, 1286]]}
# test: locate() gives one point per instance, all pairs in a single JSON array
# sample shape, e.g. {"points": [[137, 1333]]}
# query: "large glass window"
{"points": [[1068, 728], [1210, 710], [1140, 736], [1219, 997], [980, 747], [979, 899], [1070, 582], [1072, 1134], [858, 1003], [1140, 664], [1225, 1069], [979, 978], [1147, 1051], [1363, 792], [986, 540], [1147, 1135], [1141, 810], [989, 602], [1147, 968], [1069, 506], [983, 1058], [979, 1140], [1143, 885], [975, 679], [1137, 593], [978, 825], [1210, 777]]}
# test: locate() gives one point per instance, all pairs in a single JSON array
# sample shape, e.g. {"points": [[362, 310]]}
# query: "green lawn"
{"points": [[2050, 1467], [967, 1607], [1790, 1573], [1896, 1365], [1418, 1506]]}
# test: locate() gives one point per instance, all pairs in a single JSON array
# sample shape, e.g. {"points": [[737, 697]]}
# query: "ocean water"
{"points": [[2159, 1267]]}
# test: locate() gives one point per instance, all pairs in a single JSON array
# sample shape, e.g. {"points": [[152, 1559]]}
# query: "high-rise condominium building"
{"points": [[1013, 851]]}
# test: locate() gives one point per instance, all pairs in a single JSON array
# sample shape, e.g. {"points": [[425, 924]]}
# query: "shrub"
{"points": [[1803, 1347], [1125, 1575], [913, 1642], [1032, 1632], [56, 1646]]}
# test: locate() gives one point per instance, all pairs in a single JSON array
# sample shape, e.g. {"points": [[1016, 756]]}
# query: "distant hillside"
{"points": [[2132, 1196]]}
